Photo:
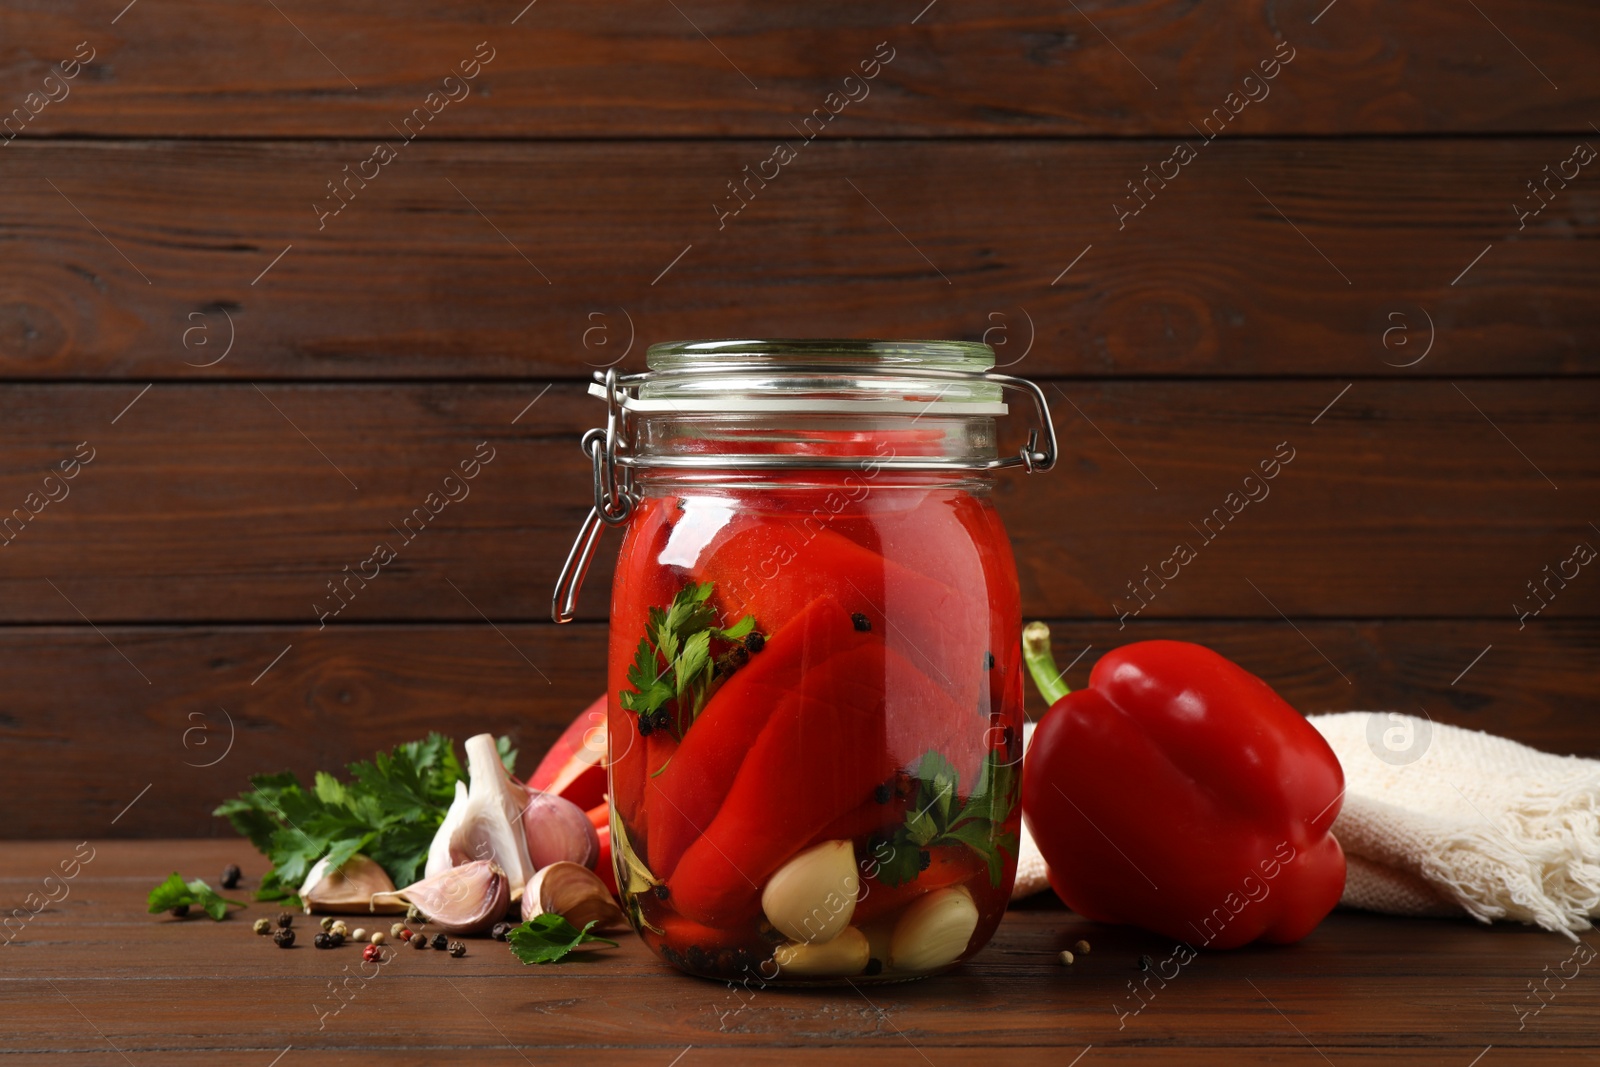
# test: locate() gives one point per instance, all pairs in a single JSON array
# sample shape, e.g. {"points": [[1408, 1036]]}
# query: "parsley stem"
{"points": [[1042, 662]]}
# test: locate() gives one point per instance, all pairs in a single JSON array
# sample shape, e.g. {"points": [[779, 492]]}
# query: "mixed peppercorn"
{"points": [[334, 932]]}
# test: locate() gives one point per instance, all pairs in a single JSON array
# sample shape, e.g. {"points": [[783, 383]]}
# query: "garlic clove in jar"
{"points": [[465, 899], [934, 930], [558, 831], [813, 896], [346, 889], [439, 851], [573, 892], [491, 819], [844, 955]]}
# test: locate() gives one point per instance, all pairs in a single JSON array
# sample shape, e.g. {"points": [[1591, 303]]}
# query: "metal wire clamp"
{"points": [[611, 455]]}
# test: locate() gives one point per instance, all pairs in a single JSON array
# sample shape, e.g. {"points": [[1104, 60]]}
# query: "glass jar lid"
{"points": [[818, 375], [803, 378], [799, 381]]}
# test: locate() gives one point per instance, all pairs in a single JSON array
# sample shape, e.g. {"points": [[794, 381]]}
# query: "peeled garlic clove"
{"points": [[813, 896], [845, 954], [346, 889], [491, 819], [558, 831], [933, 932], [439, 850], [573, 892], [465, 899]]}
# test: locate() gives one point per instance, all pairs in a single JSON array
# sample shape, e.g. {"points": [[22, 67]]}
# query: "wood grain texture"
{"points": [[1359, 990], [221, 705], [243, 502], [208, 68], [1343, 270], [1282, 258]]}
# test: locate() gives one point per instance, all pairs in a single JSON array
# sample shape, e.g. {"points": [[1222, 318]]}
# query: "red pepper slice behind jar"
{"points": [[1179, 793]]}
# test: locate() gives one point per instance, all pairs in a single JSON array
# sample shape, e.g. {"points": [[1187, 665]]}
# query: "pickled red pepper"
{"points": [[933, 625], [822, 752], [686, 793], [852, 677]]}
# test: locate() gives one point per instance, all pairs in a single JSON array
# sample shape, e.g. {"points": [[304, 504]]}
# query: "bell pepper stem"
{"points": [[1042, 662]]}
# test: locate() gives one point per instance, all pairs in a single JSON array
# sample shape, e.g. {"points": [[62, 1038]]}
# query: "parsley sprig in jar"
{"points": [[815, 714]]}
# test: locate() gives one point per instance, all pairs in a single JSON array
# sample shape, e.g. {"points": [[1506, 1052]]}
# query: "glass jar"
{"points": [[815, 689]]}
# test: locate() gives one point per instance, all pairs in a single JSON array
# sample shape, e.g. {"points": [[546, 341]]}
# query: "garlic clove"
{"points": [[558, 831], [439, 850], [346, 889], [491, 819], [813, 896], [465, 899], [843, 955], [573, 892], [934, 931]]}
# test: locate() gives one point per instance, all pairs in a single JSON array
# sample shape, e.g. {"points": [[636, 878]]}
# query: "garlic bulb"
{"points": [[465, 899], [813, 896], [558, 831], [933, 932], [490, 823], [349, 888], [439, 850], [573, 892], [844, 955]]}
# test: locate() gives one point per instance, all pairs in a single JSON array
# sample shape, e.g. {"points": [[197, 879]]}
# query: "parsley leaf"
{"points": [[548, 938], [739, 630], [175, 892], [930, 823], [389, 810], [899, 861], [674, 663]]}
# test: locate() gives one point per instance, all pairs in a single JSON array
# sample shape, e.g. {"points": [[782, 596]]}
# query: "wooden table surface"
{"points": [[94, 980]]}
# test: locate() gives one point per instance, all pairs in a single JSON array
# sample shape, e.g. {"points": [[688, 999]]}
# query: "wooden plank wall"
{"points": [[1381, 255]]}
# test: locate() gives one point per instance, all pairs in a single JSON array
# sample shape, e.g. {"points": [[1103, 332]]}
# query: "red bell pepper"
{"points": [[575, 767], [1179, 793]]}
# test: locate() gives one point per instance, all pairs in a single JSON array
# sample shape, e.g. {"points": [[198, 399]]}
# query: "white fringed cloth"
{"points": [[1476, 825], [1473, 825]]}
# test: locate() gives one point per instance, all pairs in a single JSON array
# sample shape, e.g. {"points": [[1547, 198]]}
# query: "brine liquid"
{"points": [[830, 789]]}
